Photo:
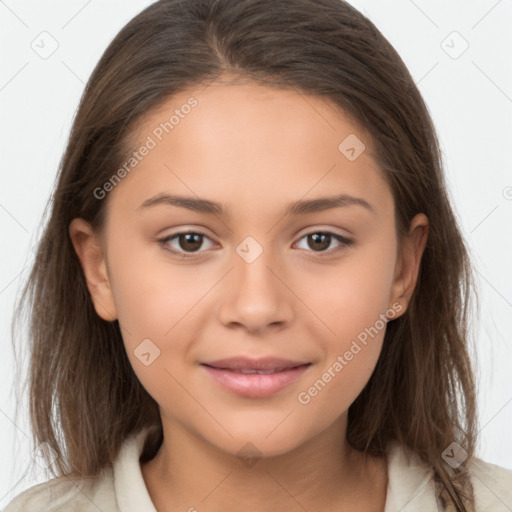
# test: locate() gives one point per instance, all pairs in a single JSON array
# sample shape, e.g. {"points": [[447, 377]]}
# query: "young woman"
{"points": [[252, 292]]}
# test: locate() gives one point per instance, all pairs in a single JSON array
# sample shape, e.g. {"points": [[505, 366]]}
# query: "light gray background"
{"points": [[469, 97]]}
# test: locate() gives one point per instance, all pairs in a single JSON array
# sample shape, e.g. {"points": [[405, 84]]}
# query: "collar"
{"points": [[410, 481], [131, 492]]}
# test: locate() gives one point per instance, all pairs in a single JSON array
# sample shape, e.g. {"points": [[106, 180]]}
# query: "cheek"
{"points": [[335, 387], [151, 294], [352, 302], [354, 294], [158, 306], [350, 354]]}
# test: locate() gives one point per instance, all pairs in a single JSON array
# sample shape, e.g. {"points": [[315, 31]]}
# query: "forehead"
{"points": [[252, 143]]}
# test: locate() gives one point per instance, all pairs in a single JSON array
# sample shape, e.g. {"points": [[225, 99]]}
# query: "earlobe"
{"points": [[92, 259], [409, 261]]}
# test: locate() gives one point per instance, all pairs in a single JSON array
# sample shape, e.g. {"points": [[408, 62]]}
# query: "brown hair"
{"points": [[85, 398]]}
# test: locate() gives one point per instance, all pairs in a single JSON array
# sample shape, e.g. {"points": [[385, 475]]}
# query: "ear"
{"points": [[89, 250], [409, 259]]}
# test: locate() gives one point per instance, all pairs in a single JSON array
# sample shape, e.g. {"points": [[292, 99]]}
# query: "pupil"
{"points": [[188, 237], [316, 238]]}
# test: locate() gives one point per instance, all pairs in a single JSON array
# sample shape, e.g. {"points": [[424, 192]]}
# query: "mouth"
{"points": [[263, 364], [250, 371], [255, 383]]}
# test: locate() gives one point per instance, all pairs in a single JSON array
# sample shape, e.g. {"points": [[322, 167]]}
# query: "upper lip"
{"points": [[245, 363]]}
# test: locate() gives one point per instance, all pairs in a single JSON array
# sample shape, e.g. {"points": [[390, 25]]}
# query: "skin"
{"points": [[255, 149]]}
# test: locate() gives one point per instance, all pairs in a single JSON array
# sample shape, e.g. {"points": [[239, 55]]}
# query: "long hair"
{"points": [[84, 396]]}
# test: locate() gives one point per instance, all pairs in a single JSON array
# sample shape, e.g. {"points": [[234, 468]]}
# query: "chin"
{"points": [[254, 443]]}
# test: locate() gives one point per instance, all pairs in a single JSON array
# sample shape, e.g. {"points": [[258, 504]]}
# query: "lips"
{"points": [[247, 365], [253, 383]]}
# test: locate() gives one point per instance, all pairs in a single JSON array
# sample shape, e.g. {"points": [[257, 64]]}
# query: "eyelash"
{"points": [[346, 242]]}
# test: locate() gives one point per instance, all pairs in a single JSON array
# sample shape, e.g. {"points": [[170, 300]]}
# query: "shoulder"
{"points": [[492, 486], [410, 483], [70, 495]]}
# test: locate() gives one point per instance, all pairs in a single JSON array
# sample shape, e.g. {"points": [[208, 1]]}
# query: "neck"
{"points": [[324, 473]]}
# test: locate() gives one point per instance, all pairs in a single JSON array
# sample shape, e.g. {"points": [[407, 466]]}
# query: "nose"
{"points": [[256, 296]]}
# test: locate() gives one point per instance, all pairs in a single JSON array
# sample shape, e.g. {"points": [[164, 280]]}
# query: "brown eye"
{"points": [[321, 240], [190, 241], [187, 242]]}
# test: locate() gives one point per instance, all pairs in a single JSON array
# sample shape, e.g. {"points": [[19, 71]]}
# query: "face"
{"points": [[252, 278]]}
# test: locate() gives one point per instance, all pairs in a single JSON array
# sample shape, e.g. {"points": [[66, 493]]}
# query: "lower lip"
{"points": [[255, 385]]}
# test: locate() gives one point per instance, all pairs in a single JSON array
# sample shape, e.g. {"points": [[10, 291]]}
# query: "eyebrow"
{"points": [[297, 208]]}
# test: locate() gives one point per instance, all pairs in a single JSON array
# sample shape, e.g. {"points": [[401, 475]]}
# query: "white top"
{"points": [[122, 489]]}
